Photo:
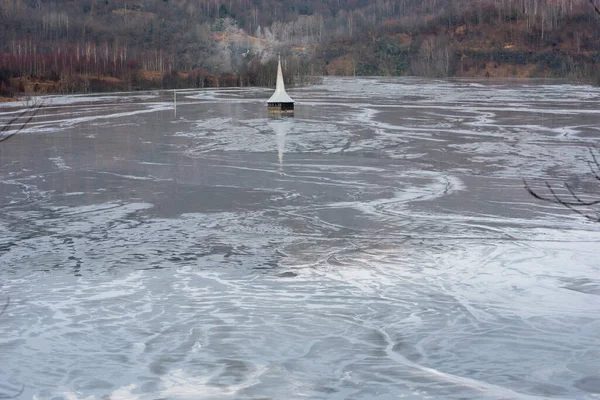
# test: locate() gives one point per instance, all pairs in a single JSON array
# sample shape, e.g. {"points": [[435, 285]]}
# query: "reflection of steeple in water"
{"points": [[281, 127]]}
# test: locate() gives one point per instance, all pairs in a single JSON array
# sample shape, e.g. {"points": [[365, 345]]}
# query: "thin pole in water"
{"points": [[175, 101]]}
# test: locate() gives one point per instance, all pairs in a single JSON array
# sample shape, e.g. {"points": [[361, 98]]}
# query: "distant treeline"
{"points": [[64, 46], [72, 72]]}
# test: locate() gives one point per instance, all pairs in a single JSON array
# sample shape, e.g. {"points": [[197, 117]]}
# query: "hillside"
{"points": [[63, 46]]}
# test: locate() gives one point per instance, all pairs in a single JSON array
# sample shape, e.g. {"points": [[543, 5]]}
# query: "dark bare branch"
{"points": [[571, 203], [9, 129], [595, 7], [594, 165], [578, 200], [6, 126], [552, 192]]}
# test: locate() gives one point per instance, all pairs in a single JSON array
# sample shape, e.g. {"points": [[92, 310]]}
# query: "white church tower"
{"points": [[280, 102]]}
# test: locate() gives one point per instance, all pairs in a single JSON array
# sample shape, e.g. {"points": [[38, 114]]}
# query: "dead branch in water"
{"points": [[17, 124], [572, 200], [595, 7]]}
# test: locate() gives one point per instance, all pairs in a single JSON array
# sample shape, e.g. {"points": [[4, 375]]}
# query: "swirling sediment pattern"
{"points": [[378, 245]]}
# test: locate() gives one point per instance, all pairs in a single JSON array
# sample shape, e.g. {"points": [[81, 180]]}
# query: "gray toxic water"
{"points": [[378, 245]]}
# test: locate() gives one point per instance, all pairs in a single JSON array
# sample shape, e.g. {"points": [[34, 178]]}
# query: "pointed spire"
{"points": [[280, 95], [280, 86]]}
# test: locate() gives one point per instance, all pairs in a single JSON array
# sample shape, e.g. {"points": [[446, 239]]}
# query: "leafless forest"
{"points": [[65, 46]]}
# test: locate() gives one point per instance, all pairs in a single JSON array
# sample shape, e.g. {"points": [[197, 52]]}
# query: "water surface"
{"points": [[378, 245]]}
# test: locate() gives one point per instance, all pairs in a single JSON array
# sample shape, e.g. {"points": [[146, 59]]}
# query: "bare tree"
{"points": [[588, 206], [19, 122], [567, 197]]}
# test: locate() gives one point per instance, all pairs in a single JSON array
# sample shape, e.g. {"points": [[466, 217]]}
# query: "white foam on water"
{"points": [[394, 253], [60, 163]]}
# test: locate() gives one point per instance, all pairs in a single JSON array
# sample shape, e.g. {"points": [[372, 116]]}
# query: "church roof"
{"points": [[280, 95]]}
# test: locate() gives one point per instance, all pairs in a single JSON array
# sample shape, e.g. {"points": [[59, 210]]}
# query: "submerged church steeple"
{"points": [[280, 101]]}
